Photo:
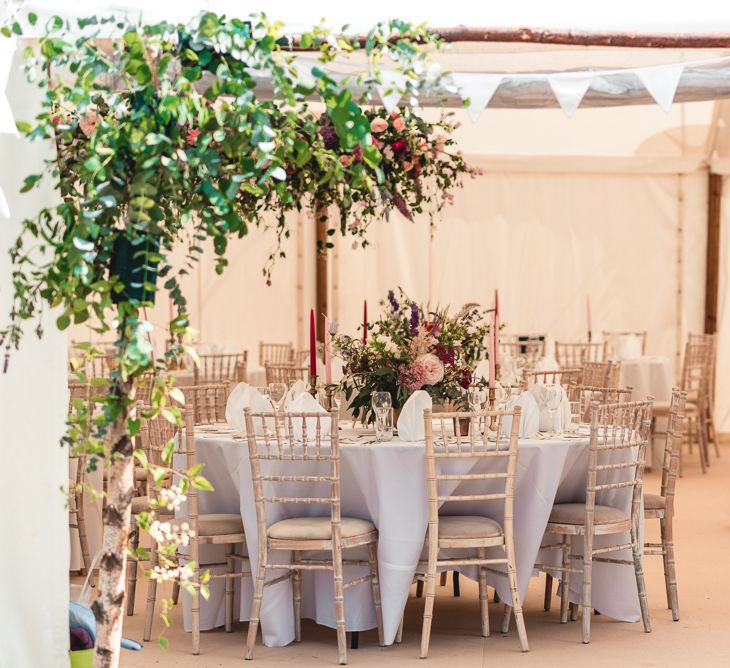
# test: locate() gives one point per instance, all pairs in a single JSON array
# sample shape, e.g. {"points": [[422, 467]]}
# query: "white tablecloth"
{"points": [[386, 483], [650, 376]]}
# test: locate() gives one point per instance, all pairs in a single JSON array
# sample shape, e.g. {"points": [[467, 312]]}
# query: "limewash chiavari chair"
{"points": [[564, 377], [275, 353], [616, 336], [661, 506], [530, 351], [208, 529], [577, 354], [617, 447], [601, 374], [317, 460], [219, 367], [471, 532], [694, 383], [286, 373], [208, 402], [710, 340]]}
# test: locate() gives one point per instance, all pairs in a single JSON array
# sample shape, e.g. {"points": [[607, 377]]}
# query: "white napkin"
{"points": [[529, 419], [562, 417], [297, 389], [624, 347], [547, 364], [245, 396], [306, 403], [410, 422], [481, 371]]}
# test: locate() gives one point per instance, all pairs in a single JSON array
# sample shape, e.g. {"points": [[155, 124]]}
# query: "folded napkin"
{"points": [[245, 396], [624, 347], [529, 419], [547, 364], [410, 422], [306, 403], [296, 390], [562, 417]]}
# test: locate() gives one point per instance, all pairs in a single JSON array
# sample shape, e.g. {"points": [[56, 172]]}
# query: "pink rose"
{"points": [[399, 124], [378, 125], [395, 113], [433, 368], [345, 160], [407, 165]]}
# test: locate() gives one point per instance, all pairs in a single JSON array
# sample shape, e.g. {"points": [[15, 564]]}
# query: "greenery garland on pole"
{"points": [[162, 139]]}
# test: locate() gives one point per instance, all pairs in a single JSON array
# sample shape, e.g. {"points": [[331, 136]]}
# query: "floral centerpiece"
{"points": [[412, 347]]}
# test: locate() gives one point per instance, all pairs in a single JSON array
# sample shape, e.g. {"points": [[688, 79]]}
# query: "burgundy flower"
{"points": [[465, 378], [329, 134], [357, 153], [446, 355], [399, 146]]}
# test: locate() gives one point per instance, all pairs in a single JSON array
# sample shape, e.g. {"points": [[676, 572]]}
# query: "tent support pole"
{"points": [[713, 252], [321, 302]]}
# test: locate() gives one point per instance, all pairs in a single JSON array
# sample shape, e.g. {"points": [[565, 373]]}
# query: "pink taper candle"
{"points": [[496, 327], [490, 352], [365, 322], [312, 345], [590, 319], [327, 352]]}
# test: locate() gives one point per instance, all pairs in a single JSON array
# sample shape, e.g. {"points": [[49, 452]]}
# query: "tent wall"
{"points": [[33, 402]]}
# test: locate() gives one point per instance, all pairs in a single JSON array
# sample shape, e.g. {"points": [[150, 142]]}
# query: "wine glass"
{"points": [[381, 403], [264, 392], [553, 399], [337, 398], [475, 398], [277, 392]]}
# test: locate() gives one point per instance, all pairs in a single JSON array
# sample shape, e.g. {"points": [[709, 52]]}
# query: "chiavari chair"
{"points": [[564, 377], [218, 367], [275, 353], [616, 453], [587, 395], [577, 354], [601, 374], [529, 351], [317, 460], [490, 480], [694, 383], [611, 337], [661, 506], [208, 402], [206, 529], [286, 373], [710, 340]]}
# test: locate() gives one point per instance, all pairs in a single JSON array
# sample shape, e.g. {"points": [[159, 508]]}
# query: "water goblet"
{"points": [[277, 392], [381, 403], [553, 400]]}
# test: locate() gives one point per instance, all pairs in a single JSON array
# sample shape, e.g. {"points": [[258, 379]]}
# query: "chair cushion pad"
{"points": [[654, 502], [468, 526], [317, 528], [215, 524], [575, 513]]}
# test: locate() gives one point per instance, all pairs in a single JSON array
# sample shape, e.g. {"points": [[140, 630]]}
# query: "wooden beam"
{"points": [[321, 297], [714, 40], [713, 252]]}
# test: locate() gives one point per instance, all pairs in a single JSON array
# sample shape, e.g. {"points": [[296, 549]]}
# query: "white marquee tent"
{"points": [[611, 203]]}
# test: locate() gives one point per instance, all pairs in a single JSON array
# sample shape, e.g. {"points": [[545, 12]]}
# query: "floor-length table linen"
{"points": [[386, 483]]}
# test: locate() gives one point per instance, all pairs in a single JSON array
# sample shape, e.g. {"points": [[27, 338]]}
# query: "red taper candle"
{"points": [[365, 322]]}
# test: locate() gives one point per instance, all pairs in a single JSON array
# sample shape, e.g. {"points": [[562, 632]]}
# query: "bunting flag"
{"points": [[7, 51], [4, 208], [478, 88], [390, 88], [569, 89], [661, 81]]}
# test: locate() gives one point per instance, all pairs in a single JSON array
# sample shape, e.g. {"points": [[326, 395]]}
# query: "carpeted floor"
{"points": [[701, 638]]}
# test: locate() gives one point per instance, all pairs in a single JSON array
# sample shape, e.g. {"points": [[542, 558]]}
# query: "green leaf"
{"points": [[164, 642], [201, 483]]}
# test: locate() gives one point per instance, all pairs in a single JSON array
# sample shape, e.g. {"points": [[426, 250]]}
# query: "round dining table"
{"points": [[386, 483]]}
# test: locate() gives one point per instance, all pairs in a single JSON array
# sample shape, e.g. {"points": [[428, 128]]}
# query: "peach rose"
{"points": [[346, 160], [433, 367], [407, 166], [378, 125], [399, 124]]}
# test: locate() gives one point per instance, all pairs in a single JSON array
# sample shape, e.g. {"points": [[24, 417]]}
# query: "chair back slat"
{"points": [[275, 353], [601, 374], [562, 377], [221, 367], [286, 373], [208, 402], [672, 447], [577, 354]]}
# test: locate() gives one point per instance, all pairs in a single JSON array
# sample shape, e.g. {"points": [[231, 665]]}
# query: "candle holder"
{"points": [[329, 395], [492, 406], [590, 336], [313, 385]]}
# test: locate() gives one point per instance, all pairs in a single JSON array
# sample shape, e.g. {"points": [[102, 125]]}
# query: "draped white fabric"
{"points": [[35, 561]]}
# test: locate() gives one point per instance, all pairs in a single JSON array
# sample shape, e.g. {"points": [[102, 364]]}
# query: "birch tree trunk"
{"points": [[109, 606]]}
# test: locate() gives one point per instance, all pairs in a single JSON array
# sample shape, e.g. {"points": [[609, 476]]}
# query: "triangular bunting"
{"points": [[478, 88], [390, 88], [569, 89], [7, 51], [661, 81], [4, 208]]}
